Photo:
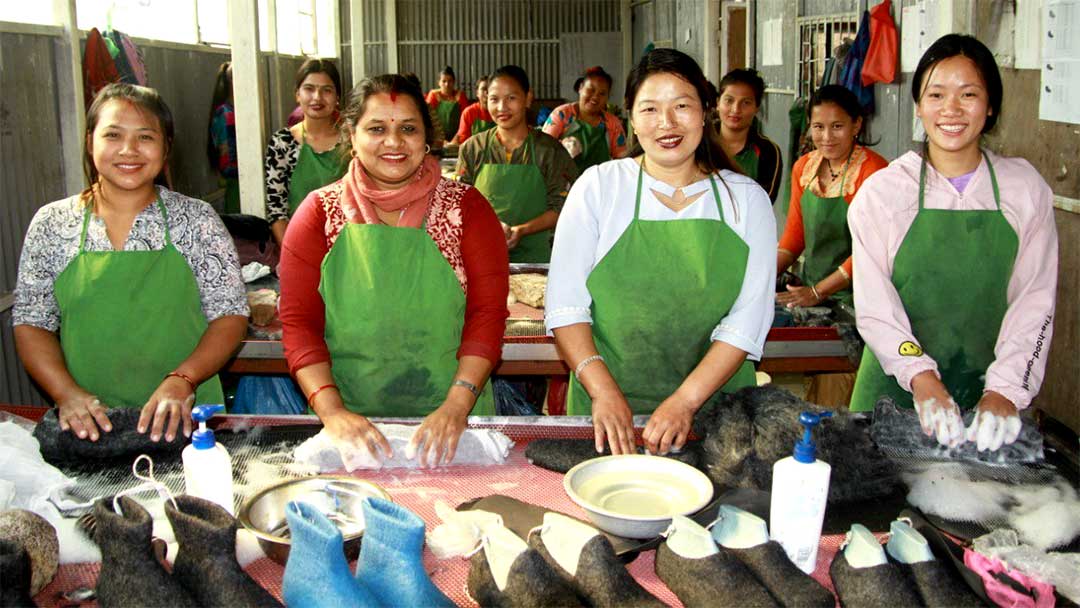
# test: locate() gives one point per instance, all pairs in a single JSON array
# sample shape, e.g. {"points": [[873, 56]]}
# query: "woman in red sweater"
{"points": [[399, 279]]}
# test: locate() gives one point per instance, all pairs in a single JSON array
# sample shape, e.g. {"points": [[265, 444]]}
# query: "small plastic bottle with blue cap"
{"points": [[207, 464], [800, 489]]}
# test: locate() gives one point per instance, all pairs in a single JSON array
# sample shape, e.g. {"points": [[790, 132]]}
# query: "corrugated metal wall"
{"points": [[477, 36]]}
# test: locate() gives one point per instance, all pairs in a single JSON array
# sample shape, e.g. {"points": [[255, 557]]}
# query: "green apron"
{"points": [[449, 114], [128, 318], [480, 125], [394, 316], [594, 144], [656, 298], [952, 274], [518, 194], [314, 170], [232, 195], [748, 161], [827, 237]]}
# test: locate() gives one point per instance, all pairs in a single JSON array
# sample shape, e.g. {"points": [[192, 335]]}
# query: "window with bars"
{"points": [[819, 39]]}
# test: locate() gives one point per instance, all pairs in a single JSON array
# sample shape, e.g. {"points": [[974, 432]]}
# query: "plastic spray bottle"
{"points": [[207, 464], [800, 488]]}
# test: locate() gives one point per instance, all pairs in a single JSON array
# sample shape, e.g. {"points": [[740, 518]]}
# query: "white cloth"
{"points": [[476, 446], [598, 211]]}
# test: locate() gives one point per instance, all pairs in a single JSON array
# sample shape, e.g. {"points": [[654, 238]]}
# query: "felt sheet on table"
{"points": [[60, 446]]}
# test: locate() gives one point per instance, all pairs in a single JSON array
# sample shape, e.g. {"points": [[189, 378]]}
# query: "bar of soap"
{"points": [[529, 288], [263, 304]]}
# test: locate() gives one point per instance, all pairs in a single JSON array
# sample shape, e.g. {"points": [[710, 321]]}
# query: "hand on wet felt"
{"points": [[996, 423], [702, 574], [506, 572], [941, 420], [476, 446], [580, 554]]}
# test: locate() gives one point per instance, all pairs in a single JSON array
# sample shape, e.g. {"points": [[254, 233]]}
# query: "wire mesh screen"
{"points": [[819, 38]]}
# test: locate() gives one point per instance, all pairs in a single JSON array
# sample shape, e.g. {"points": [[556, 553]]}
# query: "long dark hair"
{"points": [[144, 98], [391, 84], [951, 45], [846, 101], [709, 155], [222, 93]]}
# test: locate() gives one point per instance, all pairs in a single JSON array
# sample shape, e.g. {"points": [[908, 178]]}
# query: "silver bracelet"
{"points": [[817, 295], [466, 384], [585, 362]]}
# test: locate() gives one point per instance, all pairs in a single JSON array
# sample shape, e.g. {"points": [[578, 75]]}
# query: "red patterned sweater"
{"points": [[463, 226]]}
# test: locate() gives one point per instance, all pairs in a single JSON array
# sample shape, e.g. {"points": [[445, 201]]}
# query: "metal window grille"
{"points": [[819, 38]]}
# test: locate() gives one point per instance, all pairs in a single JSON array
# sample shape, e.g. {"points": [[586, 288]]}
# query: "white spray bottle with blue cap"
{"points": [[207, 464], [800, 489]]}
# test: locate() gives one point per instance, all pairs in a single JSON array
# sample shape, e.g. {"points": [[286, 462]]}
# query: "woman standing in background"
{"points": [[589, 132], [221, 138], [448, 102]]}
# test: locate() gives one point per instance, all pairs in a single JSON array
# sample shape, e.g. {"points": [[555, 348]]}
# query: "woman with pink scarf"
{"points": [[394, 284]]}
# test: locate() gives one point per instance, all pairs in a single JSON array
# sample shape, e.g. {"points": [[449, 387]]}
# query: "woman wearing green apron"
{"points": [[524, 174], [394, 284], [307, 155], [448, 102], [589, 132], [129, 295], [741, 93], [661, 284], [955, 263], [475, 118], [823, 182]]}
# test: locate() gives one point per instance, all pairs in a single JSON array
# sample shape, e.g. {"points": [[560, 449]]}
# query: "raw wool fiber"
{"points": [[59, 446], [748, 431], [561, 455], [897, 432], [37, 537]]}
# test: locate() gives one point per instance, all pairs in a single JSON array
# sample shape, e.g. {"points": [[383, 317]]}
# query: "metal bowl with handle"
{"points": [[339, 497], [636, 495]]}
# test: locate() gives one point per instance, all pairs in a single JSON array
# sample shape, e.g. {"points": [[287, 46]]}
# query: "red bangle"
{"points": [[311, 397], [183, 377]]}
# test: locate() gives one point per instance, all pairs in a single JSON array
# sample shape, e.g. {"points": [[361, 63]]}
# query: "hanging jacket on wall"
{"points": [[135, 59], [851, 76], [883, 54], [99, 69], [123, 66]]}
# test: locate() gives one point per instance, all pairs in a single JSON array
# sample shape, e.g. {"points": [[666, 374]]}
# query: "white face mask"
{"points": [[148, 484]]}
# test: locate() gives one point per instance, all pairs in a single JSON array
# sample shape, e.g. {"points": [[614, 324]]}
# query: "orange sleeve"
{"points": [[462, 100], [793, 239], [432, 98]]}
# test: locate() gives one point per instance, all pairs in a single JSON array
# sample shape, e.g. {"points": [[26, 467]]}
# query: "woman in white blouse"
{"points": [[661, 283]]}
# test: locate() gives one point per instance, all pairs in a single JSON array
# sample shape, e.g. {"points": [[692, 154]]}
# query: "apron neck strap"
{"points": [[640, 178], [843, 172], [86, 223], [528, 155], [989, 167]]}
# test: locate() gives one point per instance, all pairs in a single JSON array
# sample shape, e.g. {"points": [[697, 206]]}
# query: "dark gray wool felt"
{"points": [[717, 580], [206, 561], [601, 578], [14, 576], [130, 574], [748, 431], [59, 446], [531, 584], [884, 585], [561, 455], [940, 586], [790, 586]]}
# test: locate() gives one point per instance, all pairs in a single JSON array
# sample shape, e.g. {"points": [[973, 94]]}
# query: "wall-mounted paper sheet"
{"points": [[1027, 35], [910, 34], [1060, 85], [773, 42]]}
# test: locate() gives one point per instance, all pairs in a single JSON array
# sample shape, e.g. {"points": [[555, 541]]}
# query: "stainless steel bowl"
{"points": [[339, 497], [635, 496]]}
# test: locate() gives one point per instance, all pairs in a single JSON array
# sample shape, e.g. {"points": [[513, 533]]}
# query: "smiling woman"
{"points": [[586, 128], [399, 278]]}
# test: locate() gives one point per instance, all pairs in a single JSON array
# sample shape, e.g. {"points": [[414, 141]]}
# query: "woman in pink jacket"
{"points": [[955, 262]]}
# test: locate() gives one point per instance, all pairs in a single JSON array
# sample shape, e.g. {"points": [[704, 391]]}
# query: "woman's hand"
{"points": [[613, 422], [997, 422], [798, 296], [669, 426], [938, 414], [83, 415], [435, 442], [171, 403], [355, 431], [513, 237]]}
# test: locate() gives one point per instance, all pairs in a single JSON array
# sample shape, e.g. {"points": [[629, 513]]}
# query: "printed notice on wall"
{"points": [[1027, 35], [773, 42], [1060, 62]]}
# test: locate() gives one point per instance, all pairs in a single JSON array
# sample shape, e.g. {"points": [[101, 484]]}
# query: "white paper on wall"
{"points": [[1027, 35], [910, 35], [1060, 64], [773, 53]]}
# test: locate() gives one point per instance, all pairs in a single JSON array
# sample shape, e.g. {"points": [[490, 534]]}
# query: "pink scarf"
{"points": [[360, 195]]}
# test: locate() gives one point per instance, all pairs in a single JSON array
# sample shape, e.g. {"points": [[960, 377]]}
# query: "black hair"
{"points": [[319, 66], [222, 94], [749, 77], [709, 155], [514, 72], [482, 78], [593, 72], [846, 101], [146, 100], [951, 45], [413, 78], [448, 71], [392, 84]]}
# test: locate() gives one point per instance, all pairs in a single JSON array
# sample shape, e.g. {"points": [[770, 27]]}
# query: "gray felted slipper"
{"points": [[508, 574], [872, 586], [130, 574], [14, 576], [584, 557], [206, 561], [789, 585], [939, 586]]}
